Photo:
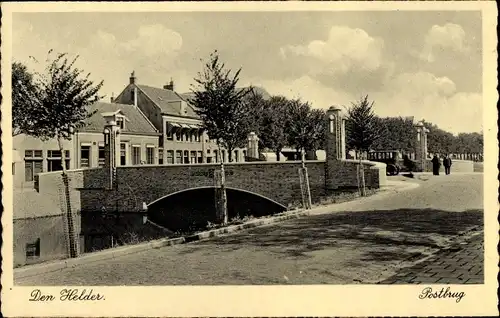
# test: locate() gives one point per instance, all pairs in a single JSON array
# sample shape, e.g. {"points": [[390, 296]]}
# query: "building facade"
{"points": [[139, 145], [182, 137]]}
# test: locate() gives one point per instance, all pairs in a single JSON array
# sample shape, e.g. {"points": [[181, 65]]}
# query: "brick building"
{"points": [[182, 139], [139, 144]]}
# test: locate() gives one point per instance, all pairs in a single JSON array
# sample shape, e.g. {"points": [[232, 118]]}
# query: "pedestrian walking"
{"points": [[436, 164], [447, 164]]}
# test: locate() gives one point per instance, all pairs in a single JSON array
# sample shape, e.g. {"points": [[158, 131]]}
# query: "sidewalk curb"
{"points": [[37, 269], [33, 270]]}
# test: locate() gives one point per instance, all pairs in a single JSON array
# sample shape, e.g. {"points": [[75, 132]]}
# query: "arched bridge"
{"points": [[278, 182]]}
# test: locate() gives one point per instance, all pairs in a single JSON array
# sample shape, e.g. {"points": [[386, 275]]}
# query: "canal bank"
{"points": [[37, 269]]}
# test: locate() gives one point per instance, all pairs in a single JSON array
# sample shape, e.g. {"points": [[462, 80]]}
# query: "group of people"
{"points": [[436, 164]]}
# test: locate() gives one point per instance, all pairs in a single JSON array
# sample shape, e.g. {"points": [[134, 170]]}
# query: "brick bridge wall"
{"points": [[277, 181]]}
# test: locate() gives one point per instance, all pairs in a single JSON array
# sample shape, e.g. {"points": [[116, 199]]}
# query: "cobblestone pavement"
{"points": [[365, 242], [459, 264]]}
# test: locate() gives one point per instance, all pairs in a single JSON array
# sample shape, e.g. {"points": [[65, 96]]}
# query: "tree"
{"points": [[362, 131], [317, 130], [221, 107], [305, 126], [255, 106], [273, 124], [24, 100], [397, 133], [60, 104]]}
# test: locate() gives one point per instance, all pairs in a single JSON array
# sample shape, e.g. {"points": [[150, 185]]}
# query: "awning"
{"points": [[174, 124], [185, 126]]}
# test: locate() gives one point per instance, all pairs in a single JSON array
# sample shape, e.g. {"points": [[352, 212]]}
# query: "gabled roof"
{"points": [[137, 123], [168, 101]]}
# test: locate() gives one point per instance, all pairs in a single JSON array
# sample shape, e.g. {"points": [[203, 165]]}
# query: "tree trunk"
{"points": [[73, 249], [363, 184], [307, 200], [278, 154], [358, 171], [223, 194]]}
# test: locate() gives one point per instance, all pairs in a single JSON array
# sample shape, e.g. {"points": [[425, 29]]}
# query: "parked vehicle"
{"points": [[391, 158]]}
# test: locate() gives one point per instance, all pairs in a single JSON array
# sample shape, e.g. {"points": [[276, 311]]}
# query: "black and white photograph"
{"points": [[225, 155]]}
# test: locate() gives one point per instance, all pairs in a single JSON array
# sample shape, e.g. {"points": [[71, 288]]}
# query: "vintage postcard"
{"points": [[249, 159]]}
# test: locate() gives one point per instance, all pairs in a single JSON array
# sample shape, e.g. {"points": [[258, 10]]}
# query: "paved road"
{"points": [[369, 241], [456, 265]]}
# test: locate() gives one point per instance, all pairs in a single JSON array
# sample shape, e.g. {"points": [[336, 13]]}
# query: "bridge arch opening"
{"points": [[192, 209]]}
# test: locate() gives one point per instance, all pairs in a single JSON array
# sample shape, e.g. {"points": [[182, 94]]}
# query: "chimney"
{"points": [[133, 79], [112, 98], [169, 86]]}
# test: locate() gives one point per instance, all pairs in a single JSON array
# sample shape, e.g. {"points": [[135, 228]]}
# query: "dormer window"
{"points": [[120, 122]]}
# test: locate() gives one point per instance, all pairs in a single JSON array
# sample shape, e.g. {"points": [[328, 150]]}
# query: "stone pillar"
{"points": [[111, 147], [253, 146], [334, 145], [421, 146]]}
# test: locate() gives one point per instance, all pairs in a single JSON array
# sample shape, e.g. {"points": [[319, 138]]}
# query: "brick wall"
{"points": [[278, 181]]}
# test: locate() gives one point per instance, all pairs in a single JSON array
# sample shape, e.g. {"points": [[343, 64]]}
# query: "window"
{"points": [[13, 168], [236, 155], [193, 157], [150, 153], [223, 155], [32, 167], [33, 164], [123, 154], [136, 154], [186, 156], [85, 151], [33, 250], [177, 136], [200, 156], [160, 156], [178, 156], [120, 122], [102, 155], [33, 154], [54, 160], [170, 156], [216, 155], [244, 155]]}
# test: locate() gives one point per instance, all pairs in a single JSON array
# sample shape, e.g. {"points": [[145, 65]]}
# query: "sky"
{"points": [[425, 64]]}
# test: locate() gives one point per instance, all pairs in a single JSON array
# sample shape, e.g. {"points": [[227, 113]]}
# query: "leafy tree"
{"points": [[362, 130], [255, 105], [397, 133], [24, 100], [305, 126], [220, 104], [60, 104], [273, 124], [317, 129], [222, 109]]}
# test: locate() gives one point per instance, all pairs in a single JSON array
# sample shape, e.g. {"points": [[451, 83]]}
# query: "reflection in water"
{"points": [[193, 209]]}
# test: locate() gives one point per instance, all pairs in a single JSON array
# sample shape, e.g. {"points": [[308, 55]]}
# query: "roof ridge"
{"points": [[146, 118], [149, 97]]}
